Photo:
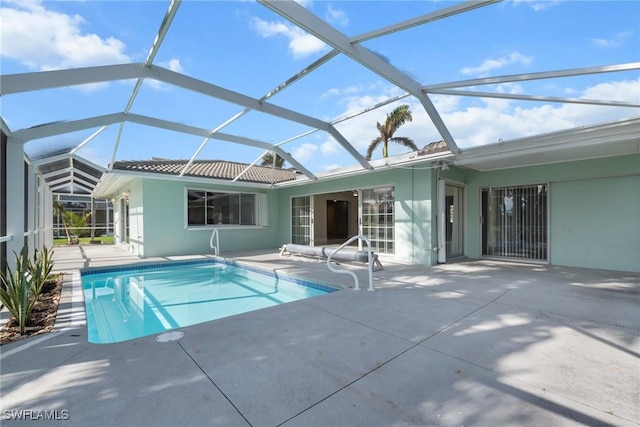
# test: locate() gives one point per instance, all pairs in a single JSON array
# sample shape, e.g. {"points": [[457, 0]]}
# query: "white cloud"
{"points": [[336, 16], [538, 5], [304, 152], [305, 3], [616, 40], [331, 167], [349, 90], [486, 120], [44, 39], [329, 147], [301, 44], [510, 120], [494, 64]]}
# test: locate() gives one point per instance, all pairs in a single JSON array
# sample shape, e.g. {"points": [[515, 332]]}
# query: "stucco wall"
{"points": [[594, 210], [164, 227], [413, 190], [596, 223]]}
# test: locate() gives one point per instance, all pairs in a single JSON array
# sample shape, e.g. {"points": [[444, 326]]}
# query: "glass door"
{"points": [[514, 222], [302, 220], [454, 237]]}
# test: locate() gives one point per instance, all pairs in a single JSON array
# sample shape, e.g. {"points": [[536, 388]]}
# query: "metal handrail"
{"points": [[216, 247], [369, 263]]}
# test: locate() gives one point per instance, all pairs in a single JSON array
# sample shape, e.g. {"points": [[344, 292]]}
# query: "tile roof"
{"points": [[434, 147], [215, 169]]}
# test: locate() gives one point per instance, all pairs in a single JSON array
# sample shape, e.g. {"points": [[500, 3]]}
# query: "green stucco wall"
{"points": [[594, 209], [596, 223], [164, 232], [413, 207]]}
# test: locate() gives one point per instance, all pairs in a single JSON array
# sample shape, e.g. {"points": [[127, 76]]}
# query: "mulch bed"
{"points": [[43, 315]]}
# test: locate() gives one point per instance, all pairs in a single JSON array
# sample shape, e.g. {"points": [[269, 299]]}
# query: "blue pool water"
{"points": [[126, 303]]}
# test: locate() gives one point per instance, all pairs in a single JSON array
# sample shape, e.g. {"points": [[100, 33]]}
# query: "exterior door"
{"points": [[302, 220], [454, 220], [450, 222], [514, 222]]}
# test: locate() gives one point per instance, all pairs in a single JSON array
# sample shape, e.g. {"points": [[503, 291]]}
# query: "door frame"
{"points": [[442, 216]]}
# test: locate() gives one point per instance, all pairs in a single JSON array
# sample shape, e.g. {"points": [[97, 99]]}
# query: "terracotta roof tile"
{"points": [[215, 169]]}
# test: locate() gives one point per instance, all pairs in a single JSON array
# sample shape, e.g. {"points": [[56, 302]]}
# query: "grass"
{"points": [[105, 240]]}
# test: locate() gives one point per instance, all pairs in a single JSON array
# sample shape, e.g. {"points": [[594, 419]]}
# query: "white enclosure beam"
{"points": [[29, 82], [26, 82], [15, 200], [535, 76], [534, 98], [58, 128], [64, 127], [294, 163], [424, 19], [162, 32], [309, 22]]}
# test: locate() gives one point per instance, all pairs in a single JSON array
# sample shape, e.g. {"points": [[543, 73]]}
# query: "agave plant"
{"points": [[21, 288], [15, 289], [39, 269]]}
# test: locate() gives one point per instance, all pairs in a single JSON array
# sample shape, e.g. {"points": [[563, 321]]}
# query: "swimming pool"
{"points": [[123, 303]]}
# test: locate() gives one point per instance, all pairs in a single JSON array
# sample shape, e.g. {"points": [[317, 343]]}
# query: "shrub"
{"points": [[40, 268], [21, 288], [15, 290]]}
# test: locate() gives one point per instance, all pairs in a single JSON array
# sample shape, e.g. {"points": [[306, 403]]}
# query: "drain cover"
{"points": [[169, 336]]}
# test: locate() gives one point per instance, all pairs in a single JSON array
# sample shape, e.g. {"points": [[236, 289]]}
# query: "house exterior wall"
{"points": [[414, 189], [157, 211], [594, 209], [594, 212]]}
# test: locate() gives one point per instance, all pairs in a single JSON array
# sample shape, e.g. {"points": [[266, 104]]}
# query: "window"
{"points": [[214, 208], [378, 222], [301, 220]]}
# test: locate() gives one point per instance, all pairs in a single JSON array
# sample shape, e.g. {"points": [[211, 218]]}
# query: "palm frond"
{"points": [[404, 141], [372, 147]]}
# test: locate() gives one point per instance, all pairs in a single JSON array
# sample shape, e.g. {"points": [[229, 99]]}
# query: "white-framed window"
{"points": [[378, 217], [206, 207]]}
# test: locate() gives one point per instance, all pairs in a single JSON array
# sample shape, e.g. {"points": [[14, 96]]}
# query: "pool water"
{"points": [[127, 303]]}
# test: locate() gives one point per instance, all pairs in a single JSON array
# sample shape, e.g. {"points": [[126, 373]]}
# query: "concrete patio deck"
{"points": [[474, 343]]}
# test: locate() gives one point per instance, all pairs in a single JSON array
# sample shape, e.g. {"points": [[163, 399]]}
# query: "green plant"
{"points": [[21, 288], [15, 290], [40, 268], [75, 224]]}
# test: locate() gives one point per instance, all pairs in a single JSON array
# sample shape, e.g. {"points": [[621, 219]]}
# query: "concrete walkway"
{"points": [[476, 343]]}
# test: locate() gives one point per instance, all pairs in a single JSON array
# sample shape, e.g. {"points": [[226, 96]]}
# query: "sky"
{"points": [[245, 47]]}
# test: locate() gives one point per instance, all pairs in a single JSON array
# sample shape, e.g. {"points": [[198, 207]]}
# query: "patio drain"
{"points": [[169, 336]]}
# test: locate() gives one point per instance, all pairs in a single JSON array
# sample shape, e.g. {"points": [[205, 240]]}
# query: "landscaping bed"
{"points": [[43, 315]]}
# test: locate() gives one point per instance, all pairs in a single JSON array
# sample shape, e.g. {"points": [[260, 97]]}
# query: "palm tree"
{"points": [[58, 209], [267, 160], [399, 116]]}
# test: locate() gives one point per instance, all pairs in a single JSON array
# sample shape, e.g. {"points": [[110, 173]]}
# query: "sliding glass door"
{"points": [[514, 222]]}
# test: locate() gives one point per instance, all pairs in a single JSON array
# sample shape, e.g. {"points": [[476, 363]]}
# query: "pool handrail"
{"points": [[369, 262], [216, 247]]}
